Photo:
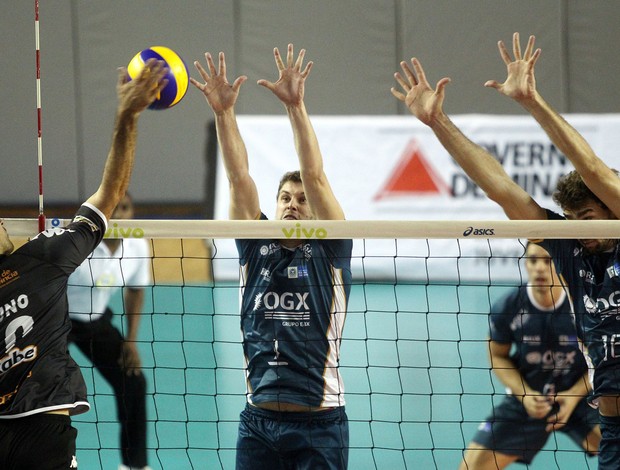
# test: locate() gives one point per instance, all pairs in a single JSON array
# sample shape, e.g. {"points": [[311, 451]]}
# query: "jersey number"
{"points": [[609, 345], [25, 323]]}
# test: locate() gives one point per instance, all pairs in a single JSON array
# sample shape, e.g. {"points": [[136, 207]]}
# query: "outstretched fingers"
{"points": [[516, 46], [441, 85], [529, 48], [222, 65], [300, 57], [278, 59], [409, 73], [503, 52], [238, 82]]}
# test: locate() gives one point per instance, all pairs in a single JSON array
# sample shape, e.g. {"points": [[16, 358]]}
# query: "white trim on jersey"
{"points": [[333, 393]]}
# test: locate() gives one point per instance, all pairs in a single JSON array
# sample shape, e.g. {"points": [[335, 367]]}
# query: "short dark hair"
{"points": [[571, 192], [294, 176]]}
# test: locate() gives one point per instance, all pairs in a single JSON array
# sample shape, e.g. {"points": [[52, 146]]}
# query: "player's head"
{"points": [[6, 245], [579, 203], [539, 266], [124, 208], [291, 198]]}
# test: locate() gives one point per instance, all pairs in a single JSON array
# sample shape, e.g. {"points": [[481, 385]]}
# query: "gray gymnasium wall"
{"points": [[356, 46]]}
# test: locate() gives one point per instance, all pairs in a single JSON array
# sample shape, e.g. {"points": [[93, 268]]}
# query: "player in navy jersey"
{"points": [[590, 268], [535, 353], [294, 292], [40, 384]]}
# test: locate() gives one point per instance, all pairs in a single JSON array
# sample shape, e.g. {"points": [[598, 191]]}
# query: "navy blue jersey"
{"points": [[293, 308], [594, 286], [546, 350], [36, 372]]}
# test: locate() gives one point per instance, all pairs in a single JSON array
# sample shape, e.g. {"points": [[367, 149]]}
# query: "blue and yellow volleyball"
{"points": [[178, 75]]}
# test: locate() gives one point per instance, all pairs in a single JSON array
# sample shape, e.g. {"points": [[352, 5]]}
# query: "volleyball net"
{"points": [[414, 353]]}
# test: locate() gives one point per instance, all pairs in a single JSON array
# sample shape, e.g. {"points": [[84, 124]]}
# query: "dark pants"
{"points": [[609, 449], [38, 442], [102, 343], [269, 440]]}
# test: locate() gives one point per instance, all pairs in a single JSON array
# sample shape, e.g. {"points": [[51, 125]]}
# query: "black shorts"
{"points": [[269, 440], [38, 442], [511, 431], [607, 380]]}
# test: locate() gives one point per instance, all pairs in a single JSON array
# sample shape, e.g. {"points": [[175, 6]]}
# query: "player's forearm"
{"points": [[479, 165], [506, 372], [119, 163], [580, 388], [306, 142], [563, 135], [234, 152]]}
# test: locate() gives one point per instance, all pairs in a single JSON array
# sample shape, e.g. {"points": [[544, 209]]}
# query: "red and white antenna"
{"points": [[39, 129]]}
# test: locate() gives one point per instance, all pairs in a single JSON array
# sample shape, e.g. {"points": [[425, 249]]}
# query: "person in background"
{"points": [[535, 353], [116, 264]]}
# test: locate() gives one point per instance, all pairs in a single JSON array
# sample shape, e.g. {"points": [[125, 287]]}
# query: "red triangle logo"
{"points": [[413, 175]]}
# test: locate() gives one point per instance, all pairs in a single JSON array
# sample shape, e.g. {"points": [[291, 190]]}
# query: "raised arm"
{"points": [[427, 105], [133, 98], [520, 85], [289, 89], [222, 96]]}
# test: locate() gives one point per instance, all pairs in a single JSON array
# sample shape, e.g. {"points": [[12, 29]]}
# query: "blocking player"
{"points": [[40, 384], [534, 352], [294, 293], [591, 192]]}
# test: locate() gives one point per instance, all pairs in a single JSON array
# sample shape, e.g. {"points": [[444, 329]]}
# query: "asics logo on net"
{"points": [[479, 232]]}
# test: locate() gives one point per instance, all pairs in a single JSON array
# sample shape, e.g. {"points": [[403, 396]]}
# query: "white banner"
{"points": [[394, 168]]}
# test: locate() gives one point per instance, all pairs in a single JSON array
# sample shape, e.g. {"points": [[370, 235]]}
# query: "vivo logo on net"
{"points": [[298, 232], [479, 232]]}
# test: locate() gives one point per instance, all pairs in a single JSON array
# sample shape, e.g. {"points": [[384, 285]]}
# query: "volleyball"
{"points": [[178, 75]]}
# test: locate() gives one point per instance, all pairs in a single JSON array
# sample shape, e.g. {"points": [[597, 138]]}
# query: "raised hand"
{"points": [[137, 94], [290, 85], [423, 102], [520, 83], [220, 94]]}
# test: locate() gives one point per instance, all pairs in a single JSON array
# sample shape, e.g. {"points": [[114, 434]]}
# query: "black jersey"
{"points": [[545, 347], [594, 285], [293, 308], [37, 374]]}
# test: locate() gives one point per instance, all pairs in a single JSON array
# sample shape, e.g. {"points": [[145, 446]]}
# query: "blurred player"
{"points": [[534, 352], [115, 264]]}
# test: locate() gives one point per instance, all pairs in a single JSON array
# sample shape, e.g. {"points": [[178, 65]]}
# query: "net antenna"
{"points": [[39, 127]]}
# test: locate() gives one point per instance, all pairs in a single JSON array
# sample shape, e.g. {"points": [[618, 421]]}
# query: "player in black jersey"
{"points": [[535, 353], [589, 268], [294, 293], [40, 384]]}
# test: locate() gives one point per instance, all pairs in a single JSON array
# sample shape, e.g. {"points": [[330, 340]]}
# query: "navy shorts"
{"points": [[609, 455], [511, 431], [38, 442], [273, 440]]}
